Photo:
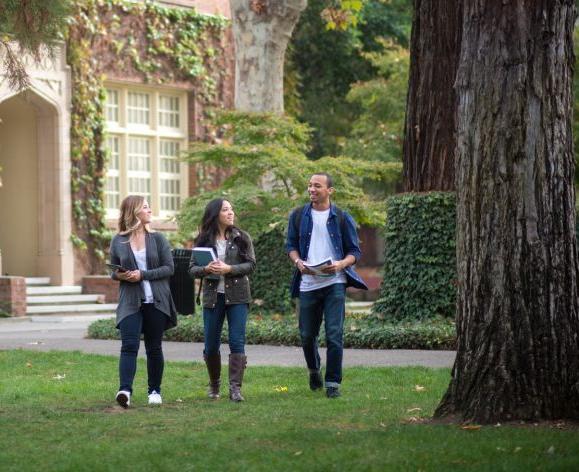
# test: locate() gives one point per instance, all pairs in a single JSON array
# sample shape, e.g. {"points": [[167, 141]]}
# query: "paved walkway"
{"points": [[68, 334]]}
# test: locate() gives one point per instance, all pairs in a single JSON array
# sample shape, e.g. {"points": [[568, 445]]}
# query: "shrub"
{"points": [[419, 267], [270, 283], [362, 332]]}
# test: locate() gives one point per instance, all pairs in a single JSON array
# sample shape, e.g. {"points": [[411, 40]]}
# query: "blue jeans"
{"points": [[213, 319], [327, 303], [151, 322]]}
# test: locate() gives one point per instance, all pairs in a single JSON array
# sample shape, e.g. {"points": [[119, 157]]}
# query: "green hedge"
{"points": [[270, 283], [419, 268], [363, 332]]}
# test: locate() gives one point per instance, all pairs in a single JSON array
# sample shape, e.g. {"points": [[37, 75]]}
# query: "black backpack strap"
{"points": [[199, 292]]}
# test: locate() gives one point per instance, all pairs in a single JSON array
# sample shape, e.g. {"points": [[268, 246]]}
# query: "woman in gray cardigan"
{"points": [[145, 303], [225, 293]]}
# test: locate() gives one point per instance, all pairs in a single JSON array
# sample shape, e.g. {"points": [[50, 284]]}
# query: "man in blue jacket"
{"points": [[316, 232]]}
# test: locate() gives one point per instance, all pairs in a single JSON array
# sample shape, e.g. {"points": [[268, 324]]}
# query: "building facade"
{"points": [[148, 123]]}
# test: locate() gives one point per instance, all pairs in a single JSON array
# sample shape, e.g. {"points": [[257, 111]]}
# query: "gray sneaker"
{"points": [[333, 392]]}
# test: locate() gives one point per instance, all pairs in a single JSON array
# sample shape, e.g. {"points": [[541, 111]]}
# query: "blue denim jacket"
{"points": [[298, 239]]}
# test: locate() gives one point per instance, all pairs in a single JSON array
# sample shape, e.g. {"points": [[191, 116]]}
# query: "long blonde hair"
{"points": [[128, 220]]}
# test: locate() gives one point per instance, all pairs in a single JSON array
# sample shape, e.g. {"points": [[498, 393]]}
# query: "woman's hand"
{"points": [[217, 268], [130, 276]]}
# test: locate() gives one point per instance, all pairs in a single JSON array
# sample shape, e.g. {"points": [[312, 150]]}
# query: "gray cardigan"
{"points": [[237, 281], [159, 269]]}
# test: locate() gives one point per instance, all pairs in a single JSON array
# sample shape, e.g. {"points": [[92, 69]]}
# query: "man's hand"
{"points": [[337, 266], [302, 268]]}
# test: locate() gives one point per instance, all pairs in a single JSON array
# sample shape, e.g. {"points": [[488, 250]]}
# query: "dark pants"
{"points": [[151, 322], [213, 319], [328, 304]]}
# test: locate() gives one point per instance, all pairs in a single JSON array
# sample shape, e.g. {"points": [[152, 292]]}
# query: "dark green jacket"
{"points": [[237, 281]]}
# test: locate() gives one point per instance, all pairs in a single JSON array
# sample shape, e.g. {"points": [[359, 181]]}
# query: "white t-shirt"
{"points": [[221, 245], [320, 248], [141, 258]]}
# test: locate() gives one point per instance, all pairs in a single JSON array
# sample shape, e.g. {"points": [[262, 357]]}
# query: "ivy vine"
{"points": [[153, 43]]}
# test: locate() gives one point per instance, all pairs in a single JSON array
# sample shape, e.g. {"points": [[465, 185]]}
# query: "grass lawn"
{"points": [[57, 413]]}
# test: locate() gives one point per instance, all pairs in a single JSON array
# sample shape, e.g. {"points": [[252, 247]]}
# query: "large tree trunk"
{"points": [[262, 29], [517, 309], [430, 130]]}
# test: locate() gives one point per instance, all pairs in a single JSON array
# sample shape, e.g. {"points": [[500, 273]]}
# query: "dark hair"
{"points": [[329, 180], [209, 228]]}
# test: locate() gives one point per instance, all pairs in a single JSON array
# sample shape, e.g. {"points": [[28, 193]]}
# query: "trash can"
{"points": [[182, 284]]}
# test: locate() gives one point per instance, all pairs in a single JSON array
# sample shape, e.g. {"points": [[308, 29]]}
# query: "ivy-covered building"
{"points": [[108, 115]]}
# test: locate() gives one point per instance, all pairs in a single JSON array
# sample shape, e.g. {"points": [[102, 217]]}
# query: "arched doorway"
{"points": [[34, 197], [19, 232]]}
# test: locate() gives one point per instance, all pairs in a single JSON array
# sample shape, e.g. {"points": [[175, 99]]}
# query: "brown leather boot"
{"points": [[237, 363], [213, 363]]}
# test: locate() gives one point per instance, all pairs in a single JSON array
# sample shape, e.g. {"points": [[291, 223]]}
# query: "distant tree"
{"points": [[261, 30], [25, 28], [268, 172], [329, 62], [518, 304], [377, 130]]}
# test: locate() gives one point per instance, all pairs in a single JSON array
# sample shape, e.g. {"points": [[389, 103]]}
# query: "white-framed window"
{"points": [[146, 133], [112, 188]]}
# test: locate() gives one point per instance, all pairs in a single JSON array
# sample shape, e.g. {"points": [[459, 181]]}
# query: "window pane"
{"points": [[112, 106], [112, 147], [139, 154], [169, 111], [170, 178], [112, 187], [169, 152], [138, 108], [139, 166]]}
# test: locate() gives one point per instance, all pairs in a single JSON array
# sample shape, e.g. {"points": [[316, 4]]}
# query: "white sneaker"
{"points": [[155, 398], [123, 398]]}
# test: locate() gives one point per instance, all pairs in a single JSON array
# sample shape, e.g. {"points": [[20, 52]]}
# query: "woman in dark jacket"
{"points": [[145, 303], [225, 292]]}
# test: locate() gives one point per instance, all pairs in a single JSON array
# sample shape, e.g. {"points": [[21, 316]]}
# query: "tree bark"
{"points": [[430, 131], [517, 308], [262, 29]]}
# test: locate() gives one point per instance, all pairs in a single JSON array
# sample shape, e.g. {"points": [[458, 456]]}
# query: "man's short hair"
{"points": [[329, 180]]}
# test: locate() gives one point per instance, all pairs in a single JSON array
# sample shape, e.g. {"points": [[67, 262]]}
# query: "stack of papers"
{"points": [[317, 267]]}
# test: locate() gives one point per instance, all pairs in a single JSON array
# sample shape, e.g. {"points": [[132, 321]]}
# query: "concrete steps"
{"points": [[54, 290], [87, 308], [64, 299], [44, 300]]}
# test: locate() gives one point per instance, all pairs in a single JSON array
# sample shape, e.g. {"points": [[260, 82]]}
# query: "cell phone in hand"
{"points": [[116, 267]]}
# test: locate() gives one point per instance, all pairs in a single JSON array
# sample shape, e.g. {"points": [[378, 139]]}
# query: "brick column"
{"points": [[13, 295], [101, 285]]}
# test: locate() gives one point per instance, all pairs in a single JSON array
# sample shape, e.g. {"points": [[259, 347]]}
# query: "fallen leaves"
{"points": [[471, 427], [280, 389], [419, 388]]}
